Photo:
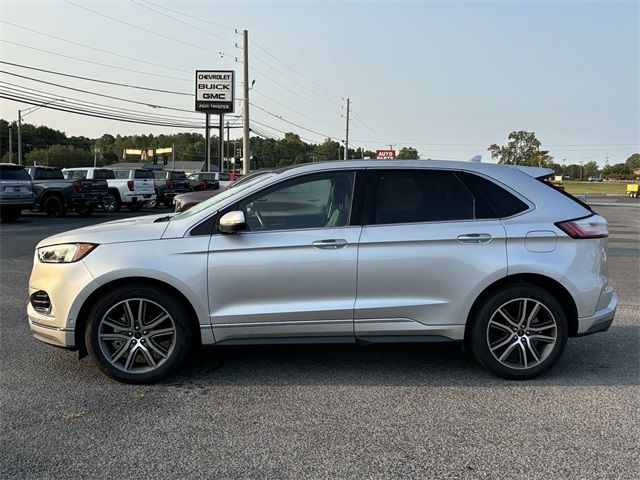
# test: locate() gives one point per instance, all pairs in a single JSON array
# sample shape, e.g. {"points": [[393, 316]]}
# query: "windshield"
{"points": [[226, 193]]}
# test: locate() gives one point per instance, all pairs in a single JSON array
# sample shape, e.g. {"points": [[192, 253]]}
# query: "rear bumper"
{"points": [[600, 321]]}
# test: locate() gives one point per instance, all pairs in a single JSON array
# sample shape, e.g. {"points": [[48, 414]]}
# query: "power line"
{"points": [[137, 27], [291, 123], [147, 104], [93, 48], [92, 62], [191, 16], [38, 102], [183, 23], [71, 100], [173, 92]]}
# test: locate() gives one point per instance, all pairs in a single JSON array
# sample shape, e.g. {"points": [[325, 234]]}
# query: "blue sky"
{"points": [[448, 78]]}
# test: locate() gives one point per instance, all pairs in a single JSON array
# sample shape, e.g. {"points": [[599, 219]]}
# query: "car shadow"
{"points": [[597, 360]]}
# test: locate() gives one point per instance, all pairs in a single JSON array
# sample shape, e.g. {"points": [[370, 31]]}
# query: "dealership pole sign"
{"points": [[215, 91]]}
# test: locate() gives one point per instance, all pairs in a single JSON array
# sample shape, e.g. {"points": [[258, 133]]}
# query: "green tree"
{"points": [[408, 153], [523, 148], [633, 162], [590, 169], [60, 156], [328, 150]]}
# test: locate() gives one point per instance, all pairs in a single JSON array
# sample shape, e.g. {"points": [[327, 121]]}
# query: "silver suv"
{"points": [[357, 251]]}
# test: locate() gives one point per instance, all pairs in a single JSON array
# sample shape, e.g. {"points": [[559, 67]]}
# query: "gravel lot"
{"points": [[384, 411]]}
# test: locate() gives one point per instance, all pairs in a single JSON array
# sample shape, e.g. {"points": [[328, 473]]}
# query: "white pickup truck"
{"points": [[131, 187]]}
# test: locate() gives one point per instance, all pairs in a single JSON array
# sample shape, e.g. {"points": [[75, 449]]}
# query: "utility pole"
{"points": [[346, 136], [221, 142], [207, 147], [245, 106], [19, 138], [227, 147], [173, 156], [10, 146]]}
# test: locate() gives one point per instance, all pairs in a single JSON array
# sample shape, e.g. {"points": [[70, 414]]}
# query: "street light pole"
{"points": [[27, 112]]}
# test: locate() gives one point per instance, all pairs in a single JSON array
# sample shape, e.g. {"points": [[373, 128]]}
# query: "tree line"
{"points": [[47, 146]]}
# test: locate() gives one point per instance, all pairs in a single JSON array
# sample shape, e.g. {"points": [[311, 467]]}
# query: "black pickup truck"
{"points": [[55, 195], [170, 183]]}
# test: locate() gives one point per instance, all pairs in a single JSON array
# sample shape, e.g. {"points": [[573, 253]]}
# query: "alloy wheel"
{"points": [[522, 333], [137, 335]]}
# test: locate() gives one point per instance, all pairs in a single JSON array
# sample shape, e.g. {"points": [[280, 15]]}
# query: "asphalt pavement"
{"points": [[382, 411]]}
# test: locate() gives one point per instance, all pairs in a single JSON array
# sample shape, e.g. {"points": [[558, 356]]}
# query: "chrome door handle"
{"points": [[475, 238], [330, 244]]}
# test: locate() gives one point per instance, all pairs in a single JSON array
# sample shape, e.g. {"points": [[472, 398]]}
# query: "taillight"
{"points": [[169, 184], [203, 185], [130, 185], [593, 226], [77, 186]]}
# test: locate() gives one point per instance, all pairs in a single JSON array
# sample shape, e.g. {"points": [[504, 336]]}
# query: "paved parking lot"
{"points": [[384, 411]]}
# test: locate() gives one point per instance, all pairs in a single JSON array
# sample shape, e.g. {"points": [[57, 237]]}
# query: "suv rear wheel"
{"points": [[138, 334], [519, 332]]}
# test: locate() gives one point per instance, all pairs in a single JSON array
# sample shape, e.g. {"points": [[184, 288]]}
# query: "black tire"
{"points": [[177, 348], [54, 206], [10, 213], [114, 205], [526, 341], [135, 207], [85, 211]]}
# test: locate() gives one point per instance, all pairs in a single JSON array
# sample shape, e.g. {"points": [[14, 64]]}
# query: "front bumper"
{"points": [[600, 321], [67, 285]]}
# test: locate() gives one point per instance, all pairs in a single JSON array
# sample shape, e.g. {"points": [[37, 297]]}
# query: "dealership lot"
{"points": [[322, 411]]}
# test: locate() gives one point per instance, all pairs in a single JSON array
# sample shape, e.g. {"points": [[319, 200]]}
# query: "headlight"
{"points": [[65, 253]]}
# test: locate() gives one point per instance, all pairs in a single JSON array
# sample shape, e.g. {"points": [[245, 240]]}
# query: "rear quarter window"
{"points": [[104, 174], [491, 200]]}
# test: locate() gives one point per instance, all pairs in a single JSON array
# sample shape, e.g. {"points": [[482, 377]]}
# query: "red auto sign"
{"points": [[385, 154]]}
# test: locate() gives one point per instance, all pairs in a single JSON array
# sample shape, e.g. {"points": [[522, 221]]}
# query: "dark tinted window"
{"points": [[178, 175], [78, 174], [160, 175], [492, 201], [104, 174], [408, 196], [48, 174], [144, 174], [122, 174], [8, 172]]}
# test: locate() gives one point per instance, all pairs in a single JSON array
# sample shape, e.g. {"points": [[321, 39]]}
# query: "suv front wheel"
{"points": [[138, 334], [519, 332]]}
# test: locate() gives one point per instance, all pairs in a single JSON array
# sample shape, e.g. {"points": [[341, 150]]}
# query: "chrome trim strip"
{"points": [[384, 320], [49, 327], [280, 324]]}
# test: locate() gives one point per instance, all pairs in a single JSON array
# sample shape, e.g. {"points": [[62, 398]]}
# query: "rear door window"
{"points": [[143, 174], [104, 174], [416, 196]]}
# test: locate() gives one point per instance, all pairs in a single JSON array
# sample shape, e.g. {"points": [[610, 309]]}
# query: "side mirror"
{"points": [[233, 222]]}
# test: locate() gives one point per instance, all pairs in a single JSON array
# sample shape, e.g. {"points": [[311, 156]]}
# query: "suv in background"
{"points": [[169, 183], [203, 181], [16, 191], [55, 194]]}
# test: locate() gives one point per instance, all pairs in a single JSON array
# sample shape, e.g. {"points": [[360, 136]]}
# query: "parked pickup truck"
{"points": [[55, 194], [170, 183], [131, 187]]}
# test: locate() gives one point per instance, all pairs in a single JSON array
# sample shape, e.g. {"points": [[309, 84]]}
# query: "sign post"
{"points": [[215, 94]]}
